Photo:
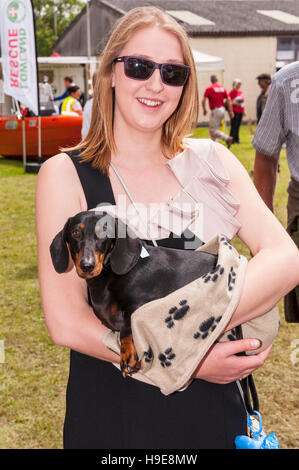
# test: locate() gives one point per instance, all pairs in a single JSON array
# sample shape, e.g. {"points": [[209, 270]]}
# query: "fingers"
{"points": [[250, 363], [241, 345], [246, 365], [222, 365]]}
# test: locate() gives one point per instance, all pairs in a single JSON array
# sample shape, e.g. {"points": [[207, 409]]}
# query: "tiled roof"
{"points": [[230, 17]]}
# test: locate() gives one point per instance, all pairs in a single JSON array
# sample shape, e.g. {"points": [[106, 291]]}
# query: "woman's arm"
{"points": [[274, 268], [70, 320]]}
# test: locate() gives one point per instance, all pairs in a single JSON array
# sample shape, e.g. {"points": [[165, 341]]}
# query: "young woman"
{"points": [[238, 102], [141, 114]]}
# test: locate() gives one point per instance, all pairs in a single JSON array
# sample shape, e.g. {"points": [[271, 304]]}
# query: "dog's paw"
{"points": [[129, 363]]}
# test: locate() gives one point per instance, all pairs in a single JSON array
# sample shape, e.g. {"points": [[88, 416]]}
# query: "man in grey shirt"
{"points": [[280, 123]]}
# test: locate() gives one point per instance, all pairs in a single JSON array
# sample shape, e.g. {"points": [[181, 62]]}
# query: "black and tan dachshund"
{"points": [[122, 272]]}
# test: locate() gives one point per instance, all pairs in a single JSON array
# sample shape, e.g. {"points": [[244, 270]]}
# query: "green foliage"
{"points": [[66, 11]]}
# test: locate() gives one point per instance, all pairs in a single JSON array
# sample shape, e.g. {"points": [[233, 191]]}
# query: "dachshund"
{"points": [[122, 271]]}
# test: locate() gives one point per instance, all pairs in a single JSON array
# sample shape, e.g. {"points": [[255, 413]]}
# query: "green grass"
{"points": [[34, 375]]}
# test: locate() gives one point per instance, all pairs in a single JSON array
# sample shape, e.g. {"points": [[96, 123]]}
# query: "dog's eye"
{"points": [[76, 233]]}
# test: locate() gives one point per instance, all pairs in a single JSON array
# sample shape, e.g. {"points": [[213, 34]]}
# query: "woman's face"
{"points": [[238, 86], [145, 105]]}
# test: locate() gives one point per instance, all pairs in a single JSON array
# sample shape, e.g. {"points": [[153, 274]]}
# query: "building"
{"points": [[252, 36]]}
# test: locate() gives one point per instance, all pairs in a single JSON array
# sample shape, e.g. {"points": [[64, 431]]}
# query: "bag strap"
{"points": [[248, 386], [118, 175]]}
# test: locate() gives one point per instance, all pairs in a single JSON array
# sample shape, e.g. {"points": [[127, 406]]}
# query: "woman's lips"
{"points": [[150, 103]]}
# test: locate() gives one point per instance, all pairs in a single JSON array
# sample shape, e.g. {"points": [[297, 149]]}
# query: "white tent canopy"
{"points": [[205, 62]]}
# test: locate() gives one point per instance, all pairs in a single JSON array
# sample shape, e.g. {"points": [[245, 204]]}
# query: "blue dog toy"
{"points": [[258, 439]]}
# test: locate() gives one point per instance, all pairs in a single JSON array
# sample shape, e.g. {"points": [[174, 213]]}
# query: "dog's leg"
{"points": [[129, 362]]}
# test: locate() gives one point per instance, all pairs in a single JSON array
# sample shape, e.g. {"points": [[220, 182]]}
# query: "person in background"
{"points": [[264, 81], [87, 111], [216, 94], [238, 104], [68, 81], [279, 124], [71, 105]]}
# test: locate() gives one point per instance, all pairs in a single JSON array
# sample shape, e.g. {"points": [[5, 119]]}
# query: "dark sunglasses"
{"points": [[142, 69]]}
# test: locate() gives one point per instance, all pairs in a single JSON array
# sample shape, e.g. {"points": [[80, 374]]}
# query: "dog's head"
{"points": [[95, 239]]}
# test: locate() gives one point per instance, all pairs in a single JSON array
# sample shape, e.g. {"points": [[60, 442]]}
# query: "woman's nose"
{"points": [[155, 83]]}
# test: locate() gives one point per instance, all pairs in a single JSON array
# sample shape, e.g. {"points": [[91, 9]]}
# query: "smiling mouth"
{"points": [[150, 103]]}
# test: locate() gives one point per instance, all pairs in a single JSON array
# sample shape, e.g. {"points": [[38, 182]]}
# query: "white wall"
{"points": [[61, 71], [244, 58]]}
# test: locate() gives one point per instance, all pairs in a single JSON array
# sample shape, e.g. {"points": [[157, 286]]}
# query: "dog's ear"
{"points": [[59, 251], [126, 251]]}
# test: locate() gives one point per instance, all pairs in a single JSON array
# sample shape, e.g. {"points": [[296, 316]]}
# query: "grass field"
{"points": [[34, 373]]}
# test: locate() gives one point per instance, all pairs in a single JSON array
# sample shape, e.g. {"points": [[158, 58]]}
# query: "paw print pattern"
{"points": [[226, 242], [166, 358], [177, 313], [233, 335], [148, 355], [207, 327], [214, 274], [231, 279]]}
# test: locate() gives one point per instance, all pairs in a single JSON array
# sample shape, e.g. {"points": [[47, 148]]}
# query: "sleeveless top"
{"points": [[104, 410], [203, 206]]}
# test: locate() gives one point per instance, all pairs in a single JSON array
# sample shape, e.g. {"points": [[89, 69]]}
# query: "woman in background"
{"points": [[238, 103]]}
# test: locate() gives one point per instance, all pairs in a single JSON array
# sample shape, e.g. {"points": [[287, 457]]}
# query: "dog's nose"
{"points": [[86, 265]]}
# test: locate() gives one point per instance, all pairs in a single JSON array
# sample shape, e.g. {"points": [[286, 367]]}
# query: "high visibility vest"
{"points": [[66, 108]]}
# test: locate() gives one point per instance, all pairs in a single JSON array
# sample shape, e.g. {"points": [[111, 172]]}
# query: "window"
{"points": [[287, 51]]}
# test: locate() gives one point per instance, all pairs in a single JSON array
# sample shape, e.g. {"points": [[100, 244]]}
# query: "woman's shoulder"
{"points": [[58, 165], [60, 173], [58, 180], [208, 154]]}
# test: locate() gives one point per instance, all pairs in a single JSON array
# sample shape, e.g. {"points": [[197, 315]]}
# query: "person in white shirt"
{"points": [[87, 110]]}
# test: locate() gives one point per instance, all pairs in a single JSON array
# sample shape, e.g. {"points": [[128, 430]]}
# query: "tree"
{"points": [[66, 11]]}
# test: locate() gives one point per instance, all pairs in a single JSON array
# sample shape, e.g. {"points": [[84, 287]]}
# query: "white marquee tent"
{"points": [[205, 62]]}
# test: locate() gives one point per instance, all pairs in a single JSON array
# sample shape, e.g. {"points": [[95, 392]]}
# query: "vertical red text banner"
{"points": [[19, 52]]}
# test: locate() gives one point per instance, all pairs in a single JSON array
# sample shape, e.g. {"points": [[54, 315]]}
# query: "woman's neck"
{"points": [[138, 149]]}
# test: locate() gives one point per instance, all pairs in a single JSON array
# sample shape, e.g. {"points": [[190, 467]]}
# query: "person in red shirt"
{"points": [[216, 94], [238, 103]]}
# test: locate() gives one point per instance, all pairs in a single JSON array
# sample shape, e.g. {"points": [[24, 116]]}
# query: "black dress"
{"points": [[106, 411]]}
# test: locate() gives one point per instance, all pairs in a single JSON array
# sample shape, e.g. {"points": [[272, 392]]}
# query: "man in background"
{"points": [[216, 94], [264, 82], [279, 123], [68, 81]]}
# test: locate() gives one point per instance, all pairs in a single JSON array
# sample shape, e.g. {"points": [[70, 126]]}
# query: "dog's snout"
{"points": [[87, 264]]}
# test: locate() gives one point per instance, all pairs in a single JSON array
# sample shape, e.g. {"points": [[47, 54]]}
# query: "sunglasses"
{"points": [[142, 69]]}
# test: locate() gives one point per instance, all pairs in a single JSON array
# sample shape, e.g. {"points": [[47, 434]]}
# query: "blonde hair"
{"points": [[99, 142], [236, 82]]}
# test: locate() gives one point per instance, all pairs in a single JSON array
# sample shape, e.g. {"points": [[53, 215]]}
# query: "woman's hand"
{"points": [[221, 365]]}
